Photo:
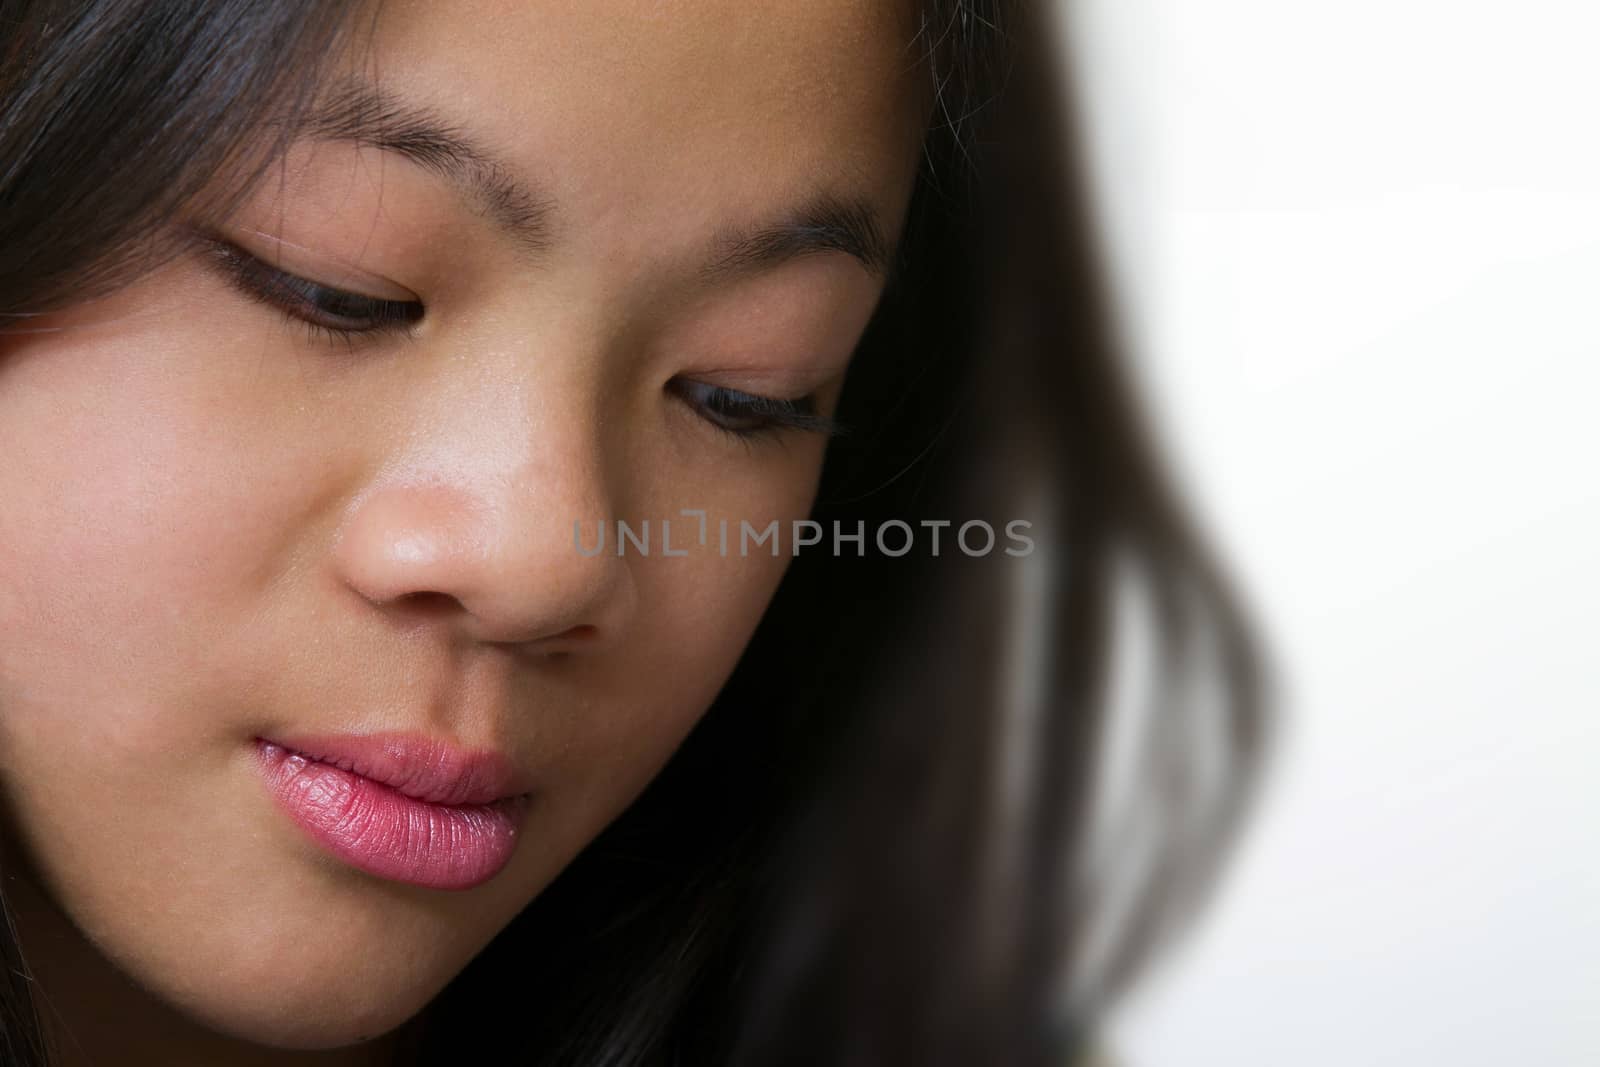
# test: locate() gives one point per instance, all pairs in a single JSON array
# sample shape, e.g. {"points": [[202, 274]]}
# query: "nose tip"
{"points": [[436, 555]]}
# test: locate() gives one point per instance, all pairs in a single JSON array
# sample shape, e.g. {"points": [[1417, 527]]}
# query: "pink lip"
{"points": [[403, 807]]}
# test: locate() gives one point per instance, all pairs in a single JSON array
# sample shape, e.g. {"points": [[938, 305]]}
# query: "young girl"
{"points": [[575, 534]]}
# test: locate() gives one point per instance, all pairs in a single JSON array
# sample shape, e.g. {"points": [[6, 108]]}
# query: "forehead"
{"points": [[717, 108]]}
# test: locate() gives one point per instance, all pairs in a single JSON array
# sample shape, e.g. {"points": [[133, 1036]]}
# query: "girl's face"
{"points": [[222, 525]]}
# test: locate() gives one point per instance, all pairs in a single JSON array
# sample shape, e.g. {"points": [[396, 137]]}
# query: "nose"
{"points": [[491, 558]]}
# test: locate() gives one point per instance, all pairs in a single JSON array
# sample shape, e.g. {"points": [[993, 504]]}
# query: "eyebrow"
{"points": [[359, 112]]}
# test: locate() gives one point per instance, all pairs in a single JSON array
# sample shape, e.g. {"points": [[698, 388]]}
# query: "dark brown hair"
{"points": [[830, 870]]}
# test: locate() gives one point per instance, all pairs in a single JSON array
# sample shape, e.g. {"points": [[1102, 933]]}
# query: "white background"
{"points": [[1359, 250]]}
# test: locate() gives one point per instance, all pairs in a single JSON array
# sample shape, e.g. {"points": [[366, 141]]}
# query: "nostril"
{"points": [[429, 603], [560, 647]]}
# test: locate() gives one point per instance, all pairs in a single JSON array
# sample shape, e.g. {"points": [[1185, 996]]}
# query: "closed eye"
{"points": [[334, 313], [749, 415]]}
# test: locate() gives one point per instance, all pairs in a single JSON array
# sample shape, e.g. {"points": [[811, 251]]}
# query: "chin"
{"points": [[308, 1031], [310, 1014]]}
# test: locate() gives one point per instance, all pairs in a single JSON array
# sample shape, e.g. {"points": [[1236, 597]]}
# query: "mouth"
{"points": [[403, 808]]}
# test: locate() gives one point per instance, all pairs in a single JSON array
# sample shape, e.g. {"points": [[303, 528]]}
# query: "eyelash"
{"points": [[745, 416], [303, 300]]}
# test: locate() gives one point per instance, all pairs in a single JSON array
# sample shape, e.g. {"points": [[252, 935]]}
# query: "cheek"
{"points": [[139, 512]]}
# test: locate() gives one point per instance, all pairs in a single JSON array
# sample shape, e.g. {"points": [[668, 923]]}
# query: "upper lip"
{"points": [[416, 765]]}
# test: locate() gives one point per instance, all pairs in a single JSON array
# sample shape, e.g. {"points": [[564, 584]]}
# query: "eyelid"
{"points": [[770, 414], [299, 299], [795, 379], [316, 262]]}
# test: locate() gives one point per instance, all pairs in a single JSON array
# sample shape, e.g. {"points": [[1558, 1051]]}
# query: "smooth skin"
{"points": [[220, 525]]}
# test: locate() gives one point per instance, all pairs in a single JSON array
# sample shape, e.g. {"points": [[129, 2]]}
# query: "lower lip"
{"points": [[387, 834]]}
